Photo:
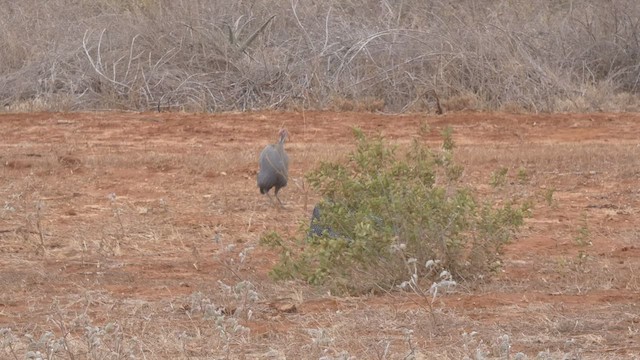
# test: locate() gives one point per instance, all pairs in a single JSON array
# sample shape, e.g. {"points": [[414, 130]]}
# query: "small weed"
{"points": [[583, 235], [475, 347], [548, 196], [523, 176], [225, 320], [244, 294], [110, 243], [424, 128], [8, 341], [499, 177], [447, 139], [117, 210], [408, 333], [39, 229], [34, 226], [503, 346], [229, 330]]}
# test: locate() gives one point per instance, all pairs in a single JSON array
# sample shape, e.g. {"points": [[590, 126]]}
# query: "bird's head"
{"points": [[283, 134]]}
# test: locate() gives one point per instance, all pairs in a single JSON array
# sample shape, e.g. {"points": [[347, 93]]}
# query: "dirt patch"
{"points": [[151, 221]]}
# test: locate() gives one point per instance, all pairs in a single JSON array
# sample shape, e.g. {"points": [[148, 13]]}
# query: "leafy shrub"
{"points": [[392, 208]]}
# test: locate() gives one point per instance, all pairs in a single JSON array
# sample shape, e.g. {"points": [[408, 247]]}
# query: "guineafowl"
{"points": [[317, 228], [274, 167]]}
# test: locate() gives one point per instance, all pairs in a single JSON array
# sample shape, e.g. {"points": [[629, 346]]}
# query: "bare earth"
{"points": [[140, 229]]}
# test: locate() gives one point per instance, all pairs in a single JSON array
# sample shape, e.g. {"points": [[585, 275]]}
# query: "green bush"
{"points": [[393, 209]]}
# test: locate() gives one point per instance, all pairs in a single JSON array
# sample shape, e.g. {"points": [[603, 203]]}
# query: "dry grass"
{"points": [[359, 54]]}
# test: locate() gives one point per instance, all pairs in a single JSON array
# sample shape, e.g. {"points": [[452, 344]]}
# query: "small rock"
{"points": [[287, 308]]}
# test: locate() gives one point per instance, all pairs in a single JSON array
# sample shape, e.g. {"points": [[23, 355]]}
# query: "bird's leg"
{"points": [[279, 202], [270, 199]]}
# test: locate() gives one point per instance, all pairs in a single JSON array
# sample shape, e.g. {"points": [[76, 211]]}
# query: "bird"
{"points": [[317, 228], [274, 167]]}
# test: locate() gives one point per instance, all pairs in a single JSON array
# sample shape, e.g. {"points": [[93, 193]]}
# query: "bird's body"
{"points": [[274, 167], [316, 227], [319, 226]]}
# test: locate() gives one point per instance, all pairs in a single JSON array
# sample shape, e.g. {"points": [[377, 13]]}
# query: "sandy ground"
{"points": [[145, 222]]}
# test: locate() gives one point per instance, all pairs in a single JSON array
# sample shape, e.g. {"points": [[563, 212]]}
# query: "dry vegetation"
{"points": [[521, 55], [136, 236]]}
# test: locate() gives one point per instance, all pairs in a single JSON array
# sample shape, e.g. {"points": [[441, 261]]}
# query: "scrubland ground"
{"points": [[137, 234]]}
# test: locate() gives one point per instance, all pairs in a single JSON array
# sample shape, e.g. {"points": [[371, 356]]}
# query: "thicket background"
{"points": [[197, 55]]}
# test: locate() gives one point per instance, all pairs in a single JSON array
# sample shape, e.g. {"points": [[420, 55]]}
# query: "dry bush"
{"points": [[213, 56]]}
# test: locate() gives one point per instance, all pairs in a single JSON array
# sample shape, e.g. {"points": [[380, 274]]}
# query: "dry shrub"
{"points": [[367, 104], [55, 102], [213, 56], [602, 98], [464, 101]]}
